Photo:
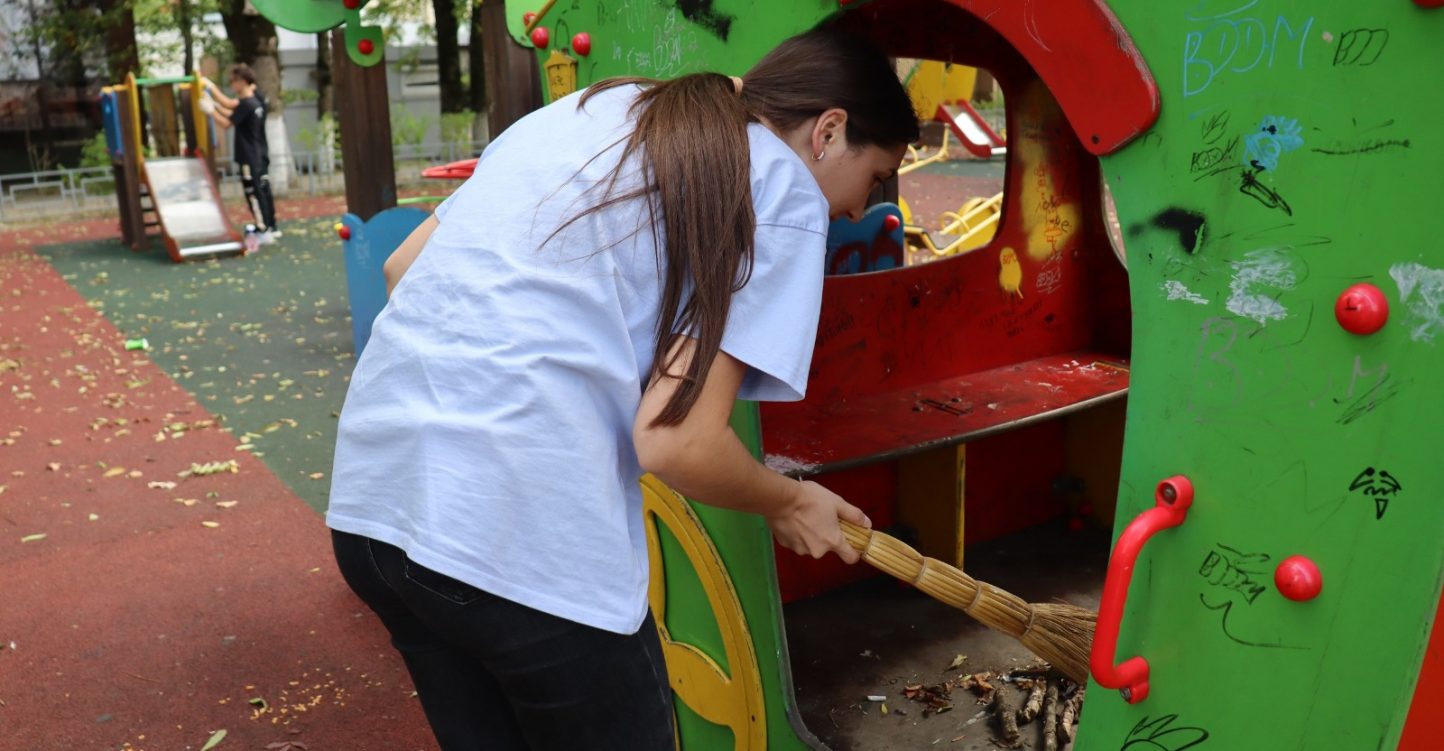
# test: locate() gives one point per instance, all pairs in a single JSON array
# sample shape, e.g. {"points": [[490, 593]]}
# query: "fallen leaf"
{"points": [[34, 537], [114, 472], [211, 525], [227, 504], [258, 702], [957, 661], [53, 466], [316, 475], [160, 485], [215, 740], [94, 517]]}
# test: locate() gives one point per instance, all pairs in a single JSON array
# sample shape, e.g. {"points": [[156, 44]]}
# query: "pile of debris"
{"points": [[1014, 699]]}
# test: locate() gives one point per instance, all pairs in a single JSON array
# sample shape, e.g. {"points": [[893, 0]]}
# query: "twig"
{"points": [[152, 680], [1005, 707], [1050, 719], [1034, 703], [1069, 720]]}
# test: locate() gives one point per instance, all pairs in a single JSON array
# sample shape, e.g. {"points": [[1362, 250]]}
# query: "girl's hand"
{"points": [[809, 524]]}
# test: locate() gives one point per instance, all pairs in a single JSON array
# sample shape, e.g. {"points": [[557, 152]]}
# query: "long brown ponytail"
{"points": [[692, 134]]}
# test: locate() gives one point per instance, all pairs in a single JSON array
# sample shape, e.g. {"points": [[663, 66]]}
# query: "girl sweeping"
{"points": [[623, 265]]}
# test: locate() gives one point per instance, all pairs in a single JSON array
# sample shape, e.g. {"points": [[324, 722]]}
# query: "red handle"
{"points": [[1171, 499]]}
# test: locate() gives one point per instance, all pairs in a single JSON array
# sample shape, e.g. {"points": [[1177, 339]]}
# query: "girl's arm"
{"points": [[702, 458], [402, 258], [220, 96]]}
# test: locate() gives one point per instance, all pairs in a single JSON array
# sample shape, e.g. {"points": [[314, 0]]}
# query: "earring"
{"points": [[818, 156]]}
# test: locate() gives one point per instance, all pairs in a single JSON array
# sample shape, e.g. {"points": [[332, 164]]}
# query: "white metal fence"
{"points": [[28, 196]]}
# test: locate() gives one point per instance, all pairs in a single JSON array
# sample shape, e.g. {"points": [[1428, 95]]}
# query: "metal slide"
{"points": [[188, 207], [972, 130]]}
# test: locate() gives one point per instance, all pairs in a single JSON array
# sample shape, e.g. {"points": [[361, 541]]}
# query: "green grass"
{"points": [[264, 342]]}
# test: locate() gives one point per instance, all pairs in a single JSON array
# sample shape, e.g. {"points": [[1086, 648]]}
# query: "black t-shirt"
{"points": [[249, 121]]}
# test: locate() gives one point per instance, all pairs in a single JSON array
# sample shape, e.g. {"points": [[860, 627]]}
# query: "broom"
{"points": [[1059, 633]]}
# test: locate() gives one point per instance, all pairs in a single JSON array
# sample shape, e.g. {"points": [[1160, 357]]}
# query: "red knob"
{"points": [[582, 43], [528, 17], [365, 46], [540, 37], [351, 4], [342, 231], [891, 222], [1429, 3], [1362, 309], [1298, 578]]}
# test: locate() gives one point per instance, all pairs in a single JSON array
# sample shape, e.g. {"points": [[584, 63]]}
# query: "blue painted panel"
{"points": [[371, 243], [871, 244]]}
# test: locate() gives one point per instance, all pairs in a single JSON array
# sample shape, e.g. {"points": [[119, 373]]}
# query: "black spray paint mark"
{"points": [[1250, 186], [1188, 225], [701, 13], [1379, 485], [1227, 608], [1368, 148], [1162, 735], [1361, 47], [1236, 571]]}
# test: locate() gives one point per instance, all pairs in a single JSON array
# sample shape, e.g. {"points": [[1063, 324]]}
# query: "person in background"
{"points": [[247, 115]]}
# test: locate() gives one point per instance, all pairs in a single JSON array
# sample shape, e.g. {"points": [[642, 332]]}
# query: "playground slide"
{"points": [[192, 221], [972, 130]]}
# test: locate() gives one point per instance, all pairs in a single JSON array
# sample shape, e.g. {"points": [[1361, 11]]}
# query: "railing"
{"points": [[55, 191], [36, 195]]}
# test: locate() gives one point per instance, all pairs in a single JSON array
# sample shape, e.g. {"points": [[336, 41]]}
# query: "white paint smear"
{"points": [[1176, 291], [1421, 289], [1261, 272], [786, 464]]}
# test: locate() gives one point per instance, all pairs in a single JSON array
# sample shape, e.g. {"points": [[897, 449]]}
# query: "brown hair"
{"points": [[243, 72], [697, 156]]}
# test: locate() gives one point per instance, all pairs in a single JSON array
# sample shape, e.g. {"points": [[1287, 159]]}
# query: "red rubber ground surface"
{"points": [[132, 623]]}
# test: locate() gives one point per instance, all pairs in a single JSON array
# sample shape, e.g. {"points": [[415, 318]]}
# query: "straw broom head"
{"points": [[1059, 633]]}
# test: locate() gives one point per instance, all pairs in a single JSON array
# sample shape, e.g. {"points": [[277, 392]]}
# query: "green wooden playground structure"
{"points": [[1275, 337]]}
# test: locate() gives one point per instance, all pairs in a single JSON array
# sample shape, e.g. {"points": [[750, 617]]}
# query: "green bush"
{"points": [[456, 127], [94, 154], [407, 129], [293, 96]]}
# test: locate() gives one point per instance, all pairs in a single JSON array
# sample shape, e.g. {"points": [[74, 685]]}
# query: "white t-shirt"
{"points": [[488, 426]]}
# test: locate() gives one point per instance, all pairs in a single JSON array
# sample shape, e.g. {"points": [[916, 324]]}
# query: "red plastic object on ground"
{"points": [[454, 171], [1362, 308], [1171, 502]]}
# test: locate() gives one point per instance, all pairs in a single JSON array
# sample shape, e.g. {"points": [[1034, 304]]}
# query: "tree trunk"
{"points": [[513, 75], [120, 48], [253, 37], [448, 57], [183, 17], [39, 153], [322, 75], [476, 62]]}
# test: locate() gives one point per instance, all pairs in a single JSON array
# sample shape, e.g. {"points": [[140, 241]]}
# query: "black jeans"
{"points": [[257, 185], [494, 675]]}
